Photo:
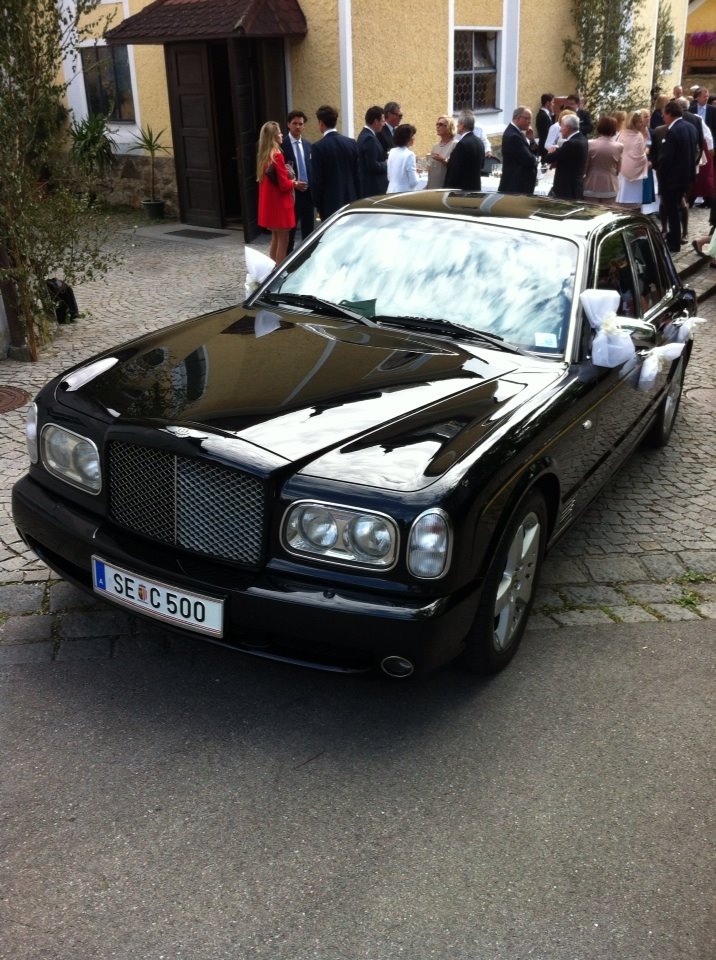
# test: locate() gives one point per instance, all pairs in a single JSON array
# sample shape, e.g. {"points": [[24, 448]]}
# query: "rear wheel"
{"points": [[509, 590], [660, 430]]}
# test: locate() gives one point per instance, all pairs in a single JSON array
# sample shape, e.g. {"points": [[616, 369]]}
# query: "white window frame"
{"points": [[122, 133]]}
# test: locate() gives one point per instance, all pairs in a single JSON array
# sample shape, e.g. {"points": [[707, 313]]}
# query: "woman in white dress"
{"points": [[635, 164], [402, 169]]}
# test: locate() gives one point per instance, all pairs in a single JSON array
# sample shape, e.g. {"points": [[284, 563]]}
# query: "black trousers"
{"points": [[671, 198], [305, 217]]}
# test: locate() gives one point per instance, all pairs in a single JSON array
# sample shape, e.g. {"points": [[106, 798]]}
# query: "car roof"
{"points": [[565, 218]]}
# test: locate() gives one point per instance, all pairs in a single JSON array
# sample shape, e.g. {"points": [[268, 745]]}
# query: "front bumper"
{"points": [[266, 613]]}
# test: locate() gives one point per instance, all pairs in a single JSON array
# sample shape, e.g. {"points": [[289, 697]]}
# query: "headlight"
{"points": [[429, 545], [341, 534], [71, 457], [31, 432]]}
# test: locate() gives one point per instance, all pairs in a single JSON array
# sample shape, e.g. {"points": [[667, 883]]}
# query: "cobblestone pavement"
{"points": [[644, 551]]}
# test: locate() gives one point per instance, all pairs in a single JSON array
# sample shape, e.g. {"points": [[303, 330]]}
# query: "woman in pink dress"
{"points": [[635, 164], [276, 186]]}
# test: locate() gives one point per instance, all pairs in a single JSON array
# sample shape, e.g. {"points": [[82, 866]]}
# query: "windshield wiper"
{"points": [[452, 329], [316, 304]]}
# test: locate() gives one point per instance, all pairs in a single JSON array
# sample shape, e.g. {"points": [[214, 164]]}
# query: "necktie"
{"points": [[300, 161]]}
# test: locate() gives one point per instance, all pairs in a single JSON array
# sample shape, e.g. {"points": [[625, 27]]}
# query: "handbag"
{"points": [[271, 174]]}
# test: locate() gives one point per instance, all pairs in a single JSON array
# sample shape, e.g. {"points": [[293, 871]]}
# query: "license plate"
{"points": [[193, 611]]}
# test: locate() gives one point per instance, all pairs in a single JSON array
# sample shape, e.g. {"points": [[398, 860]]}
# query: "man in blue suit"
{"points": [[372, 165], [297, 152], [677, 161], [334, 166]]}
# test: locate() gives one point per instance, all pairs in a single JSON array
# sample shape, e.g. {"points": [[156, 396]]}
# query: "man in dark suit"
{"points": [[393, 115], [465, 164], [334, 166], [569, 161], [545, 119], [372, 165], [519, 155], [586, 124], [677, 161], [297, 152]]}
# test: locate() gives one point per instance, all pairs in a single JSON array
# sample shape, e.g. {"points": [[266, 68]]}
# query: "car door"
{"points": [[612, 408]]}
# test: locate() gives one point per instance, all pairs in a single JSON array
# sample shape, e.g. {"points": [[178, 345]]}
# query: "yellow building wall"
{"points": [[541, 68], [315, 64], [703, 19], [152, 103], [478, 13], [414, 74]]}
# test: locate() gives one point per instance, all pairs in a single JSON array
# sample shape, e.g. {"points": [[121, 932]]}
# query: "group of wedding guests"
{"points": [[616, 167]]}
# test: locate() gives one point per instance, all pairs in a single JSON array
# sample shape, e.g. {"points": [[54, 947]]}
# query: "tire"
{"points": [[660, 431], [509, 590]]}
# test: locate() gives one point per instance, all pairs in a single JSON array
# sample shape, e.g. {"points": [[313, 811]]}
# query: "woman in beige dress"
{"points": [[440, 154], [604, 160]]}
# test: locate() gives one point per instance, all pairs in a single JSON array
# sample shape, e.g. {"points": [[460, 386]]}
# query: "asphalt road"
{"points": [[210, 806]]}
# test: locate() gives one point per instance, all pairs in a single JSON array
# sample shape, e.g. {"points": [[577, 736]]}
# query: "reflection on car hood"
{"points": [[312, 389]]}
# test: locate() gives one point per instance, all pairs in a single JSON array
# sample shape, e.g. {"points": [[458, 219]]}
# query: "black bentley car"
{"points": [[364, 463]]}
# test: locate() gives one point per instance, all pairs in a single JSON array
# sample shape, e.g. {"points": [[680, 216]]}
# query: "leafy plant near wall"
{"points": [[607, 53], [666, 46], [43, 229], [92, 149]]}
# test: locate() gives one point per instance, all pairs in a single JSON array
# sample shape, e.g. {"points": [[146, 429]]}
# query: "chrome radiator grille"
{"points": [[194, 504]]}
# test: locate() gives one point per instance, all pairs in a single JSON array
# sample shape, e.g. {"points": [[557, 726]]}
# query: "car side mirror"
{"points": [[639, 329]]}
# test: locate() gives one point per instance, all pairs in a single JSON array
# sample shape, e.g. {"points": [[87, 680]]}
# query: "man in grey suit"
{"points": [[334, 166], [372, 165]]}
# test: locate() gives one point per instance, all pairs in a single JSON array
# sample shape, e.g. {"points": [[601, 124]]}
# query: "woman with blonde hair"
{"points": [[620, 119], [276, 186], [440, 154], [635, 164]]}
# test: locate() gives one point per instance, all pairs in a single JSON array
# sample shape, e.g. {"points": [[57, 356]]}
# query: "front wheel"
{"points": [[509, 590]]}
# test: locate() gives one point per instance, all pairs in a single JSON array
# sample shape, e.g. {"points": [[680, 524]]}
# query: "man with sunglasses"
{"points": [[393, 116]]}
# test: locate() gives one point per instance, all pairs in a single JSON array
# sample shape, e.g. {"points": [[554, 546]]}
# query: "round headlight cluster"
{"points": [[71, 457], [342, 534]]}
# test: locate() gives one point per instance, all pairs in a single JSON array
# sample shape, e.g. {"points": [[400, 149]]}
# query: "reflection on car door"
{"points": [[612, 407]]}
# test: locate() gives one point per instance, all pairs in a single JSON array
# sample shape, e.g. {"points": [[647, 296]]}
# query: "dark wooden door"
{"points": [[194, 134], [245, 97]]}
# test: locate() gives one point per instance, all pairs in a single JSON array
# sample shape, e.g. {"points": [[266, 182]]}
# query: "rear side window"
{"points": [[614, 272], [650, 271]]}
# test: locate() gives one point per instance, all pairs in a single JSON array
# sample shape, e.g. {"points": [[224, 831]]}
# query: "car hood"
{"points": [[333, 397]]}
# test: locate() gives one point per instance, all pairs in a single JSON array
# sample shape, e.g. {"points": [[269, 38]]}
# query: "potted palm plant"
{"points": [[151, 143]]}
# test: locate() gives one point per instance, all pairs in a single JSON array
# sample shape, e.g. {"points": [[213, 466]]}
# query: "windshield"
{"points": [[512, 283]]}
